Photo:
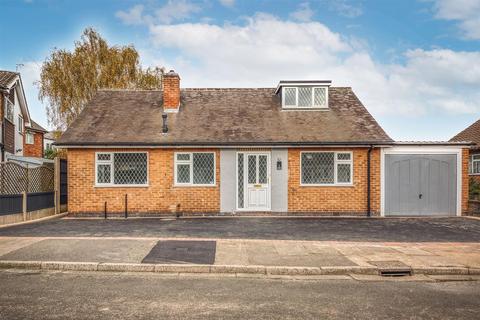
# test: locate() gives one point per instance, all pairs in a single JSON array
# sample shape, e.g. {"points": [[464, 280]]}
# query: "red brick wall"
{"points": [[171, 91], [335, 199], [35, 149], [160, 196], [465, 180]]}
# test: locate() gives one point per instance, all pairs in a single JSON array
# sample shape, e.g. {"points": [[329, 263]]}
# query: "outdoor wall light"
{"points": [[279, 164]]}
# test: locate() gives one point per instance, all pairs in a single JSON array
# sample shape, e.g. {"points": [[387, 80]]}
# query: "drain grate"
{"points": [[395, 273], [392, 268]]}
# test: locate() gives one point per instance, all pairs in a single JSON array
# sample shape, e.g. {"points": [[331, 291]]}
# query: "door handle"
{"points": [[420, 196]]}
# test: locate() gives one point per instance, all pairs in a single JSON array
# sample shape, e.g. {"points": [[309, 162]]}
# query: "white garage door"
{"points": [[420, 184]]}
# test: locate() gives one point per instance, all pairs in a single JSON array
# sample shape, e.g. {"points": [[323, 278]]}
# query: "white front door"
{"points": [[257, 181]]}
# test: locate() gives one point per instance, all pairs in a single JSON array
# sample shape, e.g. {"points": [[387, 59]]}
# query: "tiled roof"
{"points": [[6, 77], [221, 117], [35, 126], [472, 133]]}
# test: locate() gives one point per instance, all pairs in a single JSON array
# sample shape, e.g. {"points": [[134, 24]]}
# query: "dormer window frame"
{"points": [[313, 106]]}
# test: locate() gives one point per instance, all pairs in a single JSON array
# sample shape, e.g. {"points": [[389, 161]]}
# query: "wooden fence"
{"points": [[31, 192]]}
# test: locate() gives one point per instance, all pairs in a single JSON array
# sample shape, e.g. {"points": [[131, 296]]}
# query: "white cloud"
{"points": [[227, 3], [170, 12], [466, 12], [303, 13], [134, 16], [266, 49], [176, 10], [344, 8]]}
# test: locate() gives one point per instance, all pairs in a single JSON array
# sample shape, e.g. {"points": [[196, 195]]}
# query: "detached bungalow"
{"points": [[302, 147]]}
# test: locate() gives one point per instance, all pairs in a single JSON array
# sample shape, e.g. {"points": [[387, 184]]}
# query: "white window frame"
{"points": [[335, 165], [190, 163], [27, 135], [472, 160], [313, 106], [112, 170], [20, 124]]}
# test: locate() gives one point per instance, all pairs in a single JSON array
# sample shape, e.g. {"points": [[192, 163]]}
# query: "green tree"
{"points": [[68, 80]]}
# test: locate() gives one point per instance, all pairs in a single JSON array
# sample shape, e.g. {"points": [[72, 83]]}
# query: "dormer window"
{"points": [[304, 94], [305, 97]]}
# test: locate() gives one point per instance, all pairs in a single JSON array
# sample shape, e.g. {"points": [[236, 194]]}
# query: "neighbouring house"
{"points": [[21, 138], [33, 143], [303, 147], [472, 133], [49, 139]]}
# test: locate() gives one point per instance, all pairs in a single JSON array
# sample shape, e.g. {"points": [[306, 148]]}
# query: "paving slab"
{"points": [[11, 244], [267, 254], [83, 250]]}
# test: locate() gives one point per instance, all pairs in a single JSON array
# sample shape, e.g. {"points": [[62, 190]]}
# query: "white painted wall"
{"points": [[279, 180], [18, 136], [228, 180], [47, 141], [228, 175]]}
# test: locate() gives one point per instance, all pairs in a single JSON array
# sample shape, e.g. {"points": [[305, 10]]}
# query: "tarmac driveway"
{"points": [[317, 229]]}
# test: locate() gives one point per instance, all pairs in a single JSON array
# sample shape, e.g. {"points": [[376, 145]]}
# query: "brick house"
{"points": [[33, 143], [20, 135], [472, 133], [303, 147]]}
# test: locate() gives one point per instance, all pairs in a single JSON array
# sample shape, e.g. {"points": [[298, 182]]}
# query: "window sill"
{"points": [[328, 185], [305, 109], [194, 185], [474, 174], [122, 186]]}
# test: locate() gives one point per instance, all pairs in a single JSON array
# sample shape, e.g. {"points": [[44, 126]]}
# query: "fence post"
{"points": [[56, 187], [24, 205], [26, 180]]}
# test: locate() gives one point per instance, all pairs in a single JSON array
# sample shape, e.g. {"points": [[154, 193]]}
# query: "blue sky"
{"points": [[415, 64]]}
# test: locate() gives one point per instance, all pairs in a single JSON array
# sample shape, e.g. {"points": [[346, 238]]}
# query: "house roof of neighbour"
{"points": [[35, 126], [7, 77], [221, 117], [472, 133]]}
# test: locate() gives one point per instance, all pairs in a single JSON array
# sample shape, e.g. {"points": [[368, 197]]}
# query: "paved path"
{"points": [[239, 252], [316, 229], [48, 295]]}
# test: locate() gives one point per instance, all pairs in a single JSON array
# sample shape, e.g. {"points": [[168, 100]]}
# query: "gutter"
{"points": [[250, 144], [227, 144]]}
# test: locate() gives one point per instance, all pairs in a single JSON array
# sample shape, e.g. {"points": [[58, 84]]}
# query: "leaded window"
{"points": [[326, 168], [122, 169], [240, 180], [29, 138], [475, 164], [305, 97], [195, 168], [9, 110]]}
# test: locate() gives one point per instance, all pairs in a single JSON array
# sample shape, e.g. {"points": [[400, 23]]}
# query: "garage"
{"points": [[421, 182]]}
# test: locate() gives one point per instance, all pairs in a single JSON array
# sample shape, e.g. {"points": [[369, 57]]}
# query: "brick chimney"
{"points": [[171, 92]]}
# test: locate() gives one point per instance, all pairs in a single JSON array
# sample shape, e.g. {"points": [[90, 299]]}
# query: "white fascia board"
{"points": [[326, 83]]}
